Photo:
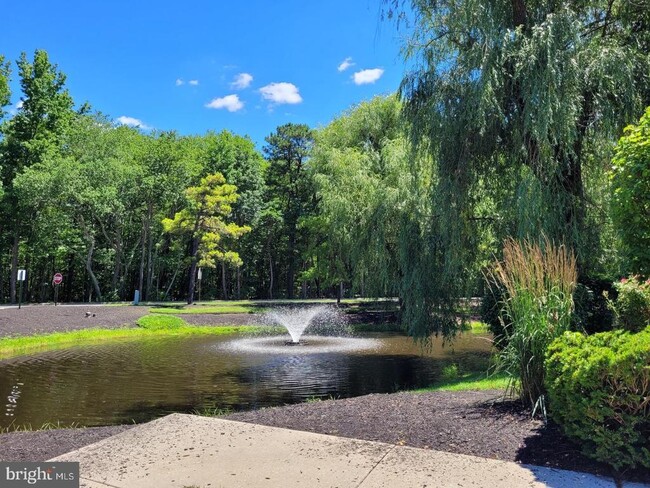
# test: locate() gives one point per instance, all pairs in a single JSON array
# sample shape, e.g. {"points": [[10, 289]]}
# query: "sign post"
{"points": [[56, 281], [20, 277]]}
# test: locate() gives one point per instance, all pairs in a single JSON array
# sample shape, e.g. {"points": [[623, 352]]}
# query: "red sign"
{"points": [[58, 279]]}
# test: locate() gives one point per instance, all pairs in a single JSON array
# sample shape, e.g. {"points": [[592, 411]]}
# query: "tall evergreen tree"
{"points": [[288, 150]]}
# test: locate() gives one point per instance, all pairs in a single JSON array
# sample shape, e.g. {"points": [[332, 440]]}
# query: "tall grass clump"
{"points": [[539, 280]]}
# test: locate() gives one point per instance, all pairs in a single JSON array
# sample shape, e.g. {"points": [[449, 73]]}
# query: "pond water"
{"points": [[138, 380]]}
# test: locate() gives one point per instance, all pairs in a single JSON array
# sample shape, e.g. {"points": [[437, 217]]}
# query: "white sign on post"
{"points": [[200, 274], [21, 275]]}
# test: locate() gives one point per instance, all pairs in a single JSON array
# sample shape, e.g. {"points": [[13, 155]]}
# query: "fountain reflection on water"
{"points": [[327, 325]]}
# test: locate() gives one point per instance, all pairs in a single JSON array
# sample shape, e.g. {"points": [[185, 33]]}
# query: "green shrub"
{"points": [[599, 392], [159, 322], [450, 372], [632, 306]]}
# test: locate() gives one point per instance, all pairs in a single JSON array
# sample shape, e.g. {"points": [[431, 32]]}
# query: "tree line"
{"points": [[506, 126], [116, 209]]}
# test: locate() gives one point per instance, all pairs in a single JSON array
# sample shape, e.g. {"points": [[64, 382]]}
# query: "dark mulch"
{"points": [[41, 319], [45, 444], [470, 422]]}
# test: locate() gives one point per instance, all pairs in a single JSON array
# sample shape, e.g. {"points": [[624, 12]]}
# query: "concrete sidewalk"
{"points": [[190, 451]]}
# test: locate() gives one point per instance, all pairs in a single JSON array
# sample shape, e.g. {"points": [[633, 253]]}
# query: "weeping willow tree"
{"points": [[374, 198], [517, 101]]}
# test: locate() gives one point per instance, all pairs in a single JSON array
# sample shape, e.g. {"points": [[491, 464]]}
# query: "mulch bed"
{"points": [[478, 423], [42, 319], [42, 445]]}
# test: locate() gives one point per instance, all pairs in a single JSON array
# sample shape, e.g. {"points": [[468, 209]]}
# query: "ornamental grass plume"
{"points": [[539, 280]]}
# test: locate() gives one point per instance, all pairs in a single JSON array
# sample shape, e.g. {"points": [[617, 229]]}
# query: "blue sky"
{"points": [[246, 66]]}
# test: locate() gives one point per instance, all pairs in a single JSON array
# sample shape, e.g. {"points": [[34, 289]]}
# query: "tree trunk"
{"points": [[28, 289], [147, 291], [224, 283], [14, 269], [238, 282], [519, 14], [271, 277], [158, 281], [117, 268], [44, 285], [2, 279], [89, 267], [69, 277], [171, 283], [192, 285], [142, 259], [291, 272]]}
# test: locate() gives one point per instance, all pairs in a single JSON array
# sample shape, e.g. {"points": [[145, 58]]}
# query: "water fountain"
{"points": [[297, 319], [327, 327]]}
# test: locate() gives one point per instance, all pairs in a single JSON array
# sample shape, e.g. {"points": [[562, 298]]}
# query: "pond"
{"points": [[138, 380]]}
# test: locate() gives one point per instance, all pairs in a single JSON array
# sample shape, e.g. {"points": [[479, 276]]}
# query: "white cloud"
{"points": [[232, 103], [132, 122], [193, 82], [179, 82], [242, 80], [281, 93], [13, 110], [367, 76], [345, 64]]}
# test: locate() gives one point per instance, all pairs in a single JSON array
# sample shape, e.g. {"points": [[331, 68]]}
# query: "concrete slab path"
{"points": [[184, 451]]}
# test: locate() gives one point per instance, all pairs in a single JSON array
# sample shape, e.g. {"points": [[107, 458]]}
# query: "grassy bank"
{"points": [[149, 326], [205, 309], [469, 381]]}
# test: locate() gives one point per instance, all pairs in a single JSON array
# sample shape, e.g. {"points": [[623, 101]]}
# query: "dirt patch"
{"points": [[42, 319]]}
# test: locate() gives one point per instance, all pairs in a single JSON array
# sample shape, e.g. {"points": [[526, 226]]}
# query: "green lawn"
{"points": [[150, 326], [470, 381], [194, 309], [476, 327]]}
